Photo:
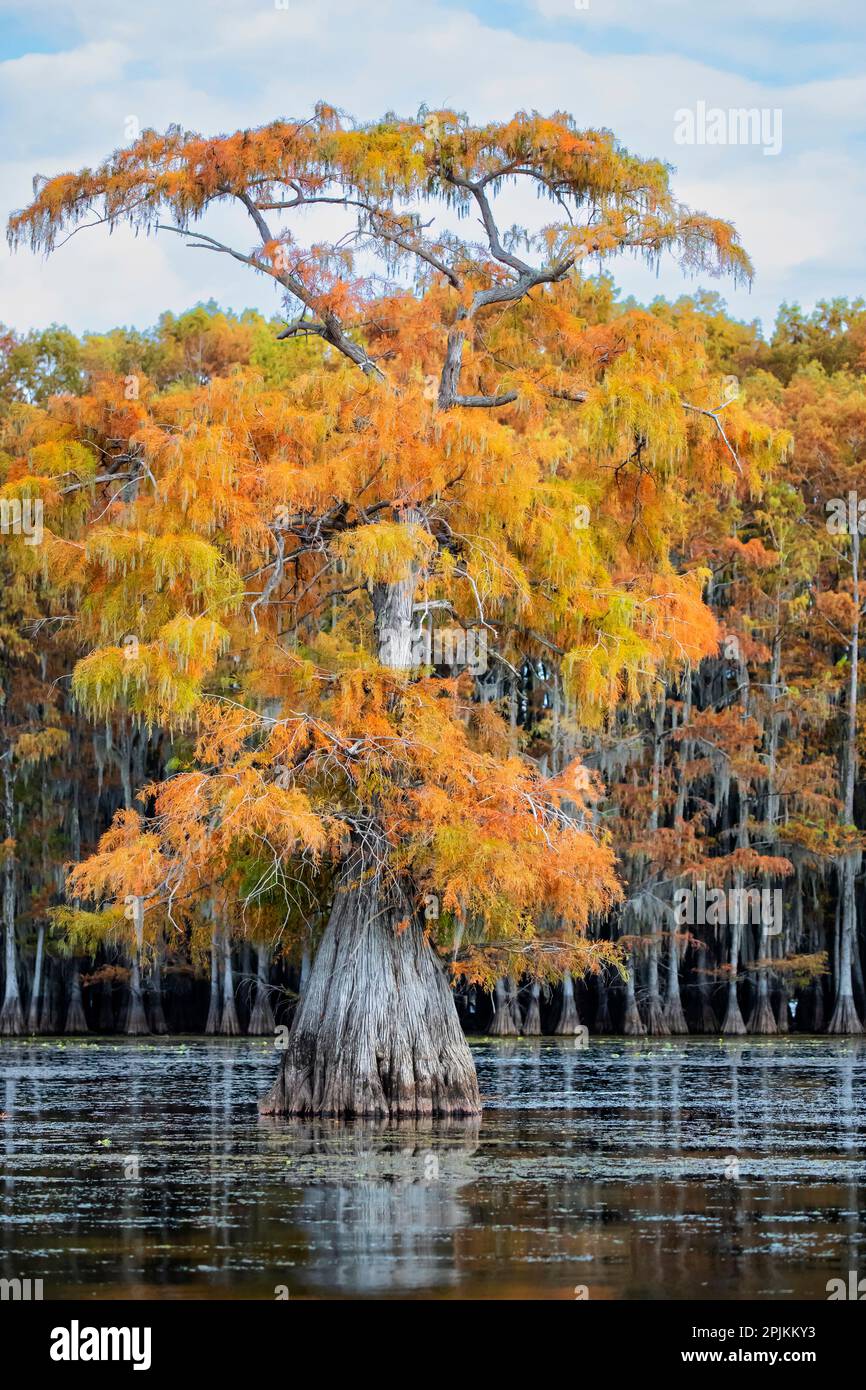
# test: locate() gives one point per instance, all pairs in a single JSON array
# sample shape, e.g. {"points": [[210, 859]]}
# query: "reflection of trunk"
{"points": [[502, 1024], [568, 1022], [633, 1025], [229, 1025], [377, 1031], [844, 1018], [213, 1013], [262, 1016], [11, 1014], [36, 993], [75, 1019]]}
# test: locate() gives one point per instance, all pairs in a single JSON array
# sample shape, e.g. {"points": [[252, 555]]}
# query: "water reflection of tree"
{"points": [[380, 1203]]}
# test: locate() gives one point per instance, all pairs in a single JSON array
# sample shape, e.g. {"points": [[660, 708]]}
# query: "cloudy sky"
{"points": [[76, 76]]}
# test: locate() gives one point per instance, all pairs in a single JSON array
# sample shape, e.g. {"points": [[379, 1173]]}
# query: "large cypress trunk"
{"points": [[376, 1031]]}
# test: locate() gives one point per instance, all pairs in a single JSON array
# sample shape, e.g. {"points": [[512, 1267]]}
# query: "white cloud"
{"points": [[214, 65]]}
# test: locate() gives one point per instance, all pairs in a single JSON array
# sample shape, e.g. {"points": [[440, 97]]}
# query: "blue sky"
{"points": [[73, 72]]}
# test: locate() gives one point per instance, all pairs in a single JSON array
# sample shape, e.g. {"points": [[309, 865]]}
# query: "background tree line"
{"points": [[743, 773]]}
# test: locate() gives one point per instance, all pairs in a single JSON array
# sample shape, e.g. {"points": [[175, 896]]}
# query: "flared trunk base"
{"points": [[845, 1020], [762, 1019], [633, 1025], [675, 1019], [11, 1019], [376, 1032], [656, 1024]]}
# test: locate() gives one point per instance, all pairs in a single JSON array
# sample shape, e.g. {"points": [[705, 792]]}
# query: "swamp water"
{"points": [[664, 1168]]}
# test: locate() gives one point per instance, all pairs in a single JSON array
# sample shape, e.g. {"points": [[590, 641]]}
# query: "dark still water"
{"points": [[668, 1169]]}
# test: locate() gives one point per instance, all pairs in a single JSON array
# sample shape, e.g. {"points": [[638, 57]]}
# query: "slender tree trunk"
{"points": [[376, 1032], [48, 1015], [229, 1025], [136, 1017], [762, 1020], [11, 1013], [532, 1022], [514, 1000], [568, 1022], [213, 1015], [105, 1019], [262, 1016], [675, 1019], [502, 1024], [36, 992], [633, 1025], [75, 1018], [782, 1021], [602, 1013], [733, 1021], [844, 1018], [656, 1024]]}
